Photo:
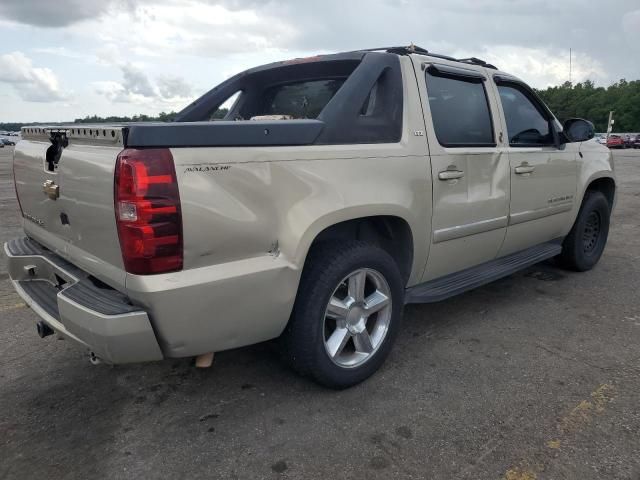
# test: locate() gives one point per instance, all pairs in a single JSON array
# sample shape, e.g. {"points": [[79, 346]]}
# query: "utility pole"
{"points": [[610, 123], [570, 67]]}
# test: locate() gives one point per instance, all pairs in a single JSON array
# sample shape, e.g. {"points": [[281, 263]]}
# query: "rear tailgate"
{"points": [[68, 205]]}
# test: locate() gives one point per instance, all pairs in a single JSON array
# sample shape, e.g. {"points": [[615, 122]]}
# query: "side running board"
{"points": [[459, 282]]}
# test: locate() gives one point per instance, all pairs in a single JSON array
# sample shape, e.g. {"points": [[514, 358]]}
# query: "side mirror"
{"points": [[579, 130]]}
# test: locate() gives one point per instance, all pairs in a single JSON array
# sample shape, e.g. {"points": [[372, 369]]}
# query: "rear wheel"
{"points": [[584, 245], [347, 313]]}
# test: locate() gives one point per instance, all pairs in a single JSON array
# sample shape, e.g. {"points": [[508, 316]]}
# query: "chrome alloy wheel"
{"points": [[357, 318]]}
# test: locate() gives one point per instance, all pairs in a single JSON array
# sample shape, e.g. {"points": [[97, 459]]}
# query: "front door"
{"points": [[543, 174], [470, 171]]}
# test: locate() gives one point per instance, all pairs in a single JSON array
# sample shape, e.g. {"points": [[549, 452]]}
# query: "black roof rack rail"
{"points": [[476, 61], [404, 50], [407, 50]]}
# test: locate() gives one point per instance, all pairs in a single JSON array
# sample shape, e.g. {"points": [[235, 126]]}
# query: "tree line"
{"points": [[585, 100], [582, 100]]}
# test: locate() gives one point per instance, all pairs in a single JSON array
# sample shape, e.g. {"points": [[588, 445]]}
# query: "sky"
{"points": [[66, 59]]}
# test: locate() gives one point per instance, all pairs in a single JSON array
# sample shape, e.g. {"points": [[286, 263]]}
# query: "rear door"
{"points": [[470, 172], [543, 173]]}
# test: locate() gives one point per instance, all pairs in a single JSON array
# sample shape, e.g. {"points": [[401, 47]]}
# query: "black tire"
{"points": [[304, 338], [584, 245]]}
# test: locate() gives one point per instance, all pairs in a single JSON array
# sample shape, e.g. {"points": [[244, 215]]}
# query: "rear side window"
{"points": [[460, 111], [300, 99], [526, 124]]}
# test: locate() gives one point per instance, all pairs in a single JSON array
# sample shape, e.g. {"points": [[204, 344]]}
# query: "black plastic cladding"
{"points": [[225, 134], [342, 118], [340, 122]]}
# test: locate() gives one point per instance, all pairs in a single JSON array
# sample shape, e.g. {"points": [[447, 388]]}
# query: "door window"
{"points": [[460, 111], [526, 125]]}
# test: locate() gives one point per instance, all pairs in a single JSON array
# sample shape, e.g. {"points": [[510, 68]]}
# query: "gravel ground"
{"points": [[534, 376]]}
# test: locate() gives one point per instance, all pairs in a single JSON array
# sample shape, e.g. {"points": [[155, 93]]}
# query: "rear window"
{"points": [[300, 99]]}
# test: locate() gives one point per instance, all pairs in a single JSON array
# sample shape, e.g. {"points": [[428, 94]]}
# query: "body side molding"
{"points": [[529, 215], [459, 231]]}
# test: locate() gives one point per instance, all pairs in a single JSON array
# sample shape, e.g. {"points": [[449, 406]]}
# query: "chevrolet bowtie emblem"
{"points": [[51, 189]]}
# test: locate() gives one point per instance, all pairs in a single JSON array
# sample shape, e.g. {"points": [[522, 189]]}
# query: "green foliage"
{"points": [[219, 114], [162, 117], [585, 100], [11, 127]]}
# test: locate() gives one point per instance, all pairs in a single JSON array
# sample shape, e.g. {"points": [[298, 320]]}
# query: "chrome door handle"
{"points": [[450, 174], [524, 169]]}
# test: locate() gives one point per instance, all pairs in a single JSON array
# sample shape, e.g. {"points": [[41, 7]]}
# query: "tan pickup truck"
{"points": [[335, 190]]}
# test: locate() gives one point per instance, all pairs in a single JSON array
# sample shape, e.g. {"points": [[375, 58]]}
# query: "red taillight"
{"points": [[148, 214]]}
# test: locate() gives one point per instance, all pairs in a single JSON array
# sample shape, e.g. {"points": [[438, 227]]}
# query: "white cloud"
{"points": [[136, 81], [172, 87], [540, 67], [113, 91], [33, 84], [169, 91], [108, 54], [192, 28]]}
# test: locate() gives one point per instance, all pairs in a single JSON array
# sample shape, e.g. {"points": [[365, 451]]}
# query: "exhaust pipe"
{"points": [[43, 329], [94, 359]]}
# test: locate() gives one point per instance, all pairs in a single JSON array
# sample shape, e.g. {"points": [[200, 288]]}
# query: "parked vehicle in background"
{"points": [[7, 142], [615, 141], [635, 140], [337, 189], [601, 138], [626, 141]]}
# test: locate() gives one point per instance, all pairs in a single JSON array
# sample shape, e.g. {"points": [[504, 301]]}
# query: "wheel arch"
{"points": [[604, 184], [389, 230]]}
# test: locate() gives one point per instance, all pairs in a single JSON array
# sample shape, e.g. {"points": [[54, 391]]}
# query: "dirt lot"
{"points": [[535, 376]]}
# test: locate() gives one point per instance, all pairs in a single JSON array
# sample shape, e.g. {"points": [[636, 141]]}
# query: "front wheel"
{"points": [[584, 245], [346, 315]]}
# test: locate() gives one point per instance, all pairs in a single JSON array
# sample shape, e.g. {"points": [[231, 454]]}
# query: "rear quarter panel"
{"points": [[238, 210], [248, 229]]}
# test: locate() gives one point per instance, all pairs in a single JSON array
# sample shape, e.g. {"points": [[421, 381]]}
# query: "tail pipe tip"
{"points": [[94, 359]]}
